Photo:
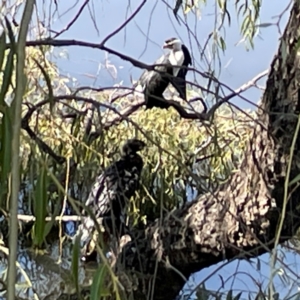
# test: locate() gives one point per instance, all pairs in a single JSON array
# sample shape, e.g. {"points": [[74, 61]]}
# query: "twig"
{"points": [[41, 144], [28, 218], [124, 24], [74, 19], [236, 92], [65, 43]]}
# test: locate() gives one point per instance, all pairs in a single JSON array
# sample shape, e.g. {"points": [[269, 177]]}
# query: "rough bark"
{"points": [[241, 217]]}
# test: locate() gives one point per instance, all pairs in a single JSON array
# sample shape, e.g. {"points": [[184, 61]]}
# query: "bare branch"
{"points": [[125, 23], [28, 218], [74, 19]]}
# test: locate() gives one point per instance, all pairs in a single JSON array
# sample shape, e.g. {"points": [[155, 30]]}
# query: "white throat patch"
{"points": [[176, 58]]}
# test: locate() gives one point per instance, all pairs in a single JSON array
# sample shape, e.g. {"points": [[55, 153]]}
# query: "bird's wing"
{"points": [[148, 75], [104, 190], [179, 84], [119, 180]]}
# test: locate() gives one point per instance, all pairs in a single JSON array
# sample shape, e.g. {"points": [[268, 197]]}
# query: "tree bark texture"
{"points": [[240, 218]]}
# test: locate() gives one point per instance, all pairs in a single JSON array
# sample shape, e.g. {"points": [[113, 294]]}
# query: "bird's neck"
{"points": [[176, 58], [177, 47], [133, 157]]}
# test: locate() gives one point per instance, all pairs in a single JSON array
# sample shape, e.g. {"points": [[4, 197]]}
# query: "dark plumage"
{"points": [[112, 190], [155, 82]]}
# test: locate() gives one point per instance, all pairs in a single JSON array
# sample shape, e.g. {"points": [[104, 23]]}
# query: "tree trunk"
{"points": [[241, 218]]}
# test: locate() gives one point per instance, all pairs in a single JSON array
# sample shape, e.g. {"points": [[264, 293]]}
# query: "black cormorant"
{"points": [[111, 191], [155, 82]]}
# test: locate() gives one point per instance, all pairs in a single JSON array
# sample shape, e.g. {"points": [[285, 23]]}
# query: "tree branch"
{"points": [[70, 24]]}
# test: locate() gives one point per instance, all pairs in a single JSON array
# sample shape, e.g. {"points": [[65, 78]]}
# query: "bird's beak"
{"points": [[165, 46]]}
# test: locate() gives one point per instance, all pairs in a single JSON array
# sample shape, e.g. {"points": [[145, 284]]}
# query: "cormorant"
{"points": [[155, 82], [178, 80], [111, 191]]}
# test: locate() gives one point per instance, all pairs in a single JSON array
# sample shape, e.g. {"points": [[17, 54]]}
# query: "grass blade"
{"points": [[7, 75], [5, 154], [75, 263], [10, 36], [2, 48], [98, 286], [40, 205]]}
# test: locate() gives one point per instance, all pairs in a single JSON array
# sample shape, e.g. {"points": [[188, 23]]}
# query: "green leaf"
{"points": [[295, 180], [98, 286], [229, 295], [75, 262], [11, 36], [5, 152], [55, 213], [2, 48], [40, 204], [7, 74], [239, 9], [298, 45], [238, 296], [222, 44]]}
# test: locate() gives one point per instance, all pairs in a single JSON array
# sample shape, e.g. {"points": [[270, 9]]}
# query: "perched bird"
{"points": [[175, 57], [153, 83], [111, 191]]}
